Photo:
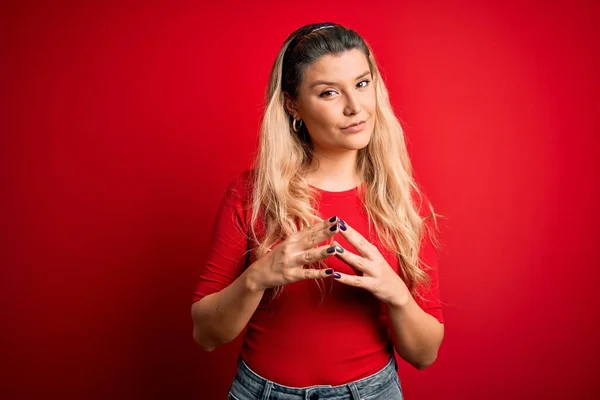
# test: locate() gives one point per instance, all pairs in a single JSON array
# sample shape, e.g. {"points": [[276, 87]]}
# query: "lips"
{"points": [[354, 124]]}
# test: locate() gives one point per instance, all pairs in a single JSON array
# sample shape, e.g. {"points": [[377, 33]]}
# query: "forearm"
{"points": [[220, 317], [417, 335]]}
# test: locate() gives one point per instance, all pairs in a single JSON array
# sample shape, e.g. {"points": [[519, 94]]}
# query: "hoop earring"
{"points": [[294, 125]]}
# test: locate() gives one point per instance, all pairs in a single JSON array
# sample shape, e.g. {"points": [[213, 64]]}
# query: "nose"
{"points": [[352, 105]]}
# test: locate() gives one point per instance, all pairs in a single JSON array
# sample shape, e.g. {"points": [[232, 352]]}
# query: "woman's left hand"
{"points": [[378, 277]]}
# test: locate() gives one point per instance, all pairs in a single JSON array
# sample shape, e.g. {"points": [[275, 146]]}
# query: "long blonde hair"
{"points": [[283, 201]]}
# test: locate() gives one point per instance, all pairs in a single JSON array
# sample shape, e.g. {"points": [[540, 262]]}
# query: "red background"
{"points": [[122, 123]]}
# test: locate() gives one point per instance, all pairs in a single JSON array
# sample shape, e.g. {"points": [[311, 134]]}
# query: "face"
{"points": [[336, 92]]}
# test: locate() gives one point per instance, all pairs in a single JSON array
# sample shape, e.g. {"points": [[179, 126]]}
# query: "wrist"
{"points": [[252, 279], [401, 302]]}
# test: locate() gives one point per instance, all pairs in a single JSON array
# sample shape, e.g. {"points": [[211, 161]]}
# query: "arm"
{"points": [[224, 300], [416, 335], [220, 317], [228, 294]]}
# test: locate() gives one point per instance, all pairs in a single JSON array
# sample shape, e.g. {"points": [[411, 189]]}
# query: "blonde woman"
{"points": [[324, 251]]}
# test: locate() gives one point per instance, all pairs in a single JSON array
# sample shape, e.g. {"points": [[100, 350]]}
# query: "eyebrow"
{"points": [[317, 83]]}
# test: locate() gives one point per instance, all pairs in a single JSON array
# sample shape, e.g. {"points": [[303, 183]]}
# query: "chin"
{"points": [[358, 142], [354, 142]]}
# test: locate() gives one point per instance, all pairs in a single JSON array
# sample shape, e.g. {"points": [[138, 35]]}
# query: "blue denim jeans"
{"points": [[383, 385]]}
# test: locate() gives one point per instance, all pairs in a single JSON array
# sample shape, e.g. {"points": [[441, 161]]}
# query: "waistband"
{"points": [[261, 387]]}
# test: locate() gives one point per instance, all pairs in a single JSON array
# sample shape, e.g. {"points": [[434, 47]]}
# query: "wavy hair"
{"points": [[283, 201]]}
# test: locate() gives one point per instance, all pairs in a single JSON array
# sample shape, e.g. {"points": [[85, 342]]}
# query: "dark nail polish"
{"points": [[331, 250], [339, 249], [342, 221], [337, 276], [329, 271], [332, 218], [343, 227], [333, 228]]}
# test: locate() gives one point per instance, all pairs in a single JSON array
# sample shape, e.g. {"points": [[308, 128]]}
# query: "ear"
{"points": [[290, 106]]}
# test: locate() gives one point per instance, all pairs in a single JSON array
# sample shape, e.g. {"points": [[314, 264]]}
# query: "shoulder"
{"points": [[241, 185]]}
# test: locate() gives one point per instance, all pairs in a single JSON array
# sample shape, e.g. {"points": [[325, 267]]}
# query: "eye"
{"points": [[361, 84], [324, 94]]}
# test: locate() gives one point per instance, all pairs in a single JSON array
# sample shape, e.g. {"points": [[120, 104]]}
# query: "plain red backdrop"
{"points": [[122, 123]]}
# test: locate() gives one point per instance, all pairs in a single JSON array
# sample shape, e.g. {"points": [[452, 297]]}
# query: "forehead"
{"points": [[337, 67]]}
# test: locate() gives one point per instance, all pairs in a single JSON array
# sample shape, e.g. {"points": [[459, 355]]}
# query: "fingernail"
{"points": [[329, 271], [333, 228], [343, 226], [337, 276], [331, 250], [339, 249], [332, 218]]}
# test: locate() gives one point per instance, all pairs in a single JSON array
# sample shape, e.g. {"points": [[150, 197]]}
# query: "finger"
{"points": [[353, 260], [314, 255], [353, 280], [314, 273], [357, 240], [324, 230]]}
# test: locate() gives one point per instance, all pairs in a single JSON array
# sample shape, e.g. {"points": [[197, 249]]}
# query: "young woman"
{"points": [[323, 251]]}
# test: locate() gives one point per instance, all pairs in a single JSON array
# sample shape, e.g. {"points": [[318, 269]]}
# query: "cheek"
{"points": [[371, 101], [323, 114]]}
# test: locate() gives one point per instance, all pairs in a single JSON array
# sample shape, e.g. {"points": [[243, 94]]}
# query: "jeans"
{"points": [[383, 385]]}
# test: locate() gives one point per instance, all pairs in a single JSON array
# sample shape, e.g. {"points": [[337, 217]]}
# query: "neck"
{"points": [[334, 172]]}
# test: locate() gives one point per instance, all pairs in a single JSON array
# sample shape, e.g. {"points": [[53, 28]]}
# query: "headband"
{"points": [[301, 37]]}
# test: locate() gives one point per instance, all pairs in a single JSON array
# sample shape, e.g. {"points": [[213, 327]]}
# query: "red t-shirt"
{"points": [[302, 338]]}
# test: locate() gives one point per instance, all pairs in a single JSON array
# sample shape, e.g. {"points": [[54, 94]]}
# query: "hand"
{"points": [[285, 264], [378, 277]]}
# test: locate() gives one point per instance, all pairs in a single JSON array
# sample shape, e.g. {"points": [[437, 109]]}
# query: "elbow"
{"points": [[207, 348], [202, 342], [425, 363], [199, 335], [421, 366], [428, 358]]}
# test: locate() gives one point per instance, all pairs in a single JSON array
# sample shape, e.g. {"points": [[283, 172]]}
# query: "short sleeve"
{"points": [[428, 297], [229, 243]]}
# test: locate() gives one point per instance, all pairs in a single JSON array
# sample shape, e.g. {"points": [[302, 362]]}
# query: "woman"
{"points": [[323, 250]]}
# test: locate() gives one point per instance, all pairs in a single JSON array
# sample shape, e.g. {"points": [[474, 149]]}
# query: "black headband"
{"points": [[301, 35]]}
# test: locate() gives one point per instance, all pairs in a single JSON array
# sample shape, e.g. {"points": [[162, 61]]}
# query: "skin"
{"points": [[220, 317], [325, 108]]}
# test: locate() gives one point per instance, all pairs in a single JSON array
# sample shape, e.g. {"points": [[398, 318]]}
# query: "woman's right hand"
{"points": [[285, 264]]}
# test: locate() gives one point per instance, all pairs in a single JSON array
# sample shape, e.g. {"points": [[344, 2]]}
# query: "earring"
{"points": [[294, 125]]}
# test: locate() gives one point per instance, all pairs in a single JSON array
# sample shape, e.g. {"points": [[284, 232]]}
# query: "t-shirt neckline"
{"points": [[342, 193]]}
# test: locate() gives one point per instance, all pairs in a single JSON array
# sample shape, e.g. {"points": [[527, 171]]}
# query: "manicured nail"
{"points": [[333, 228], [331, 250], [343, 226], [332, 218], [339, 249], [329, 271], [337, 276]]}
